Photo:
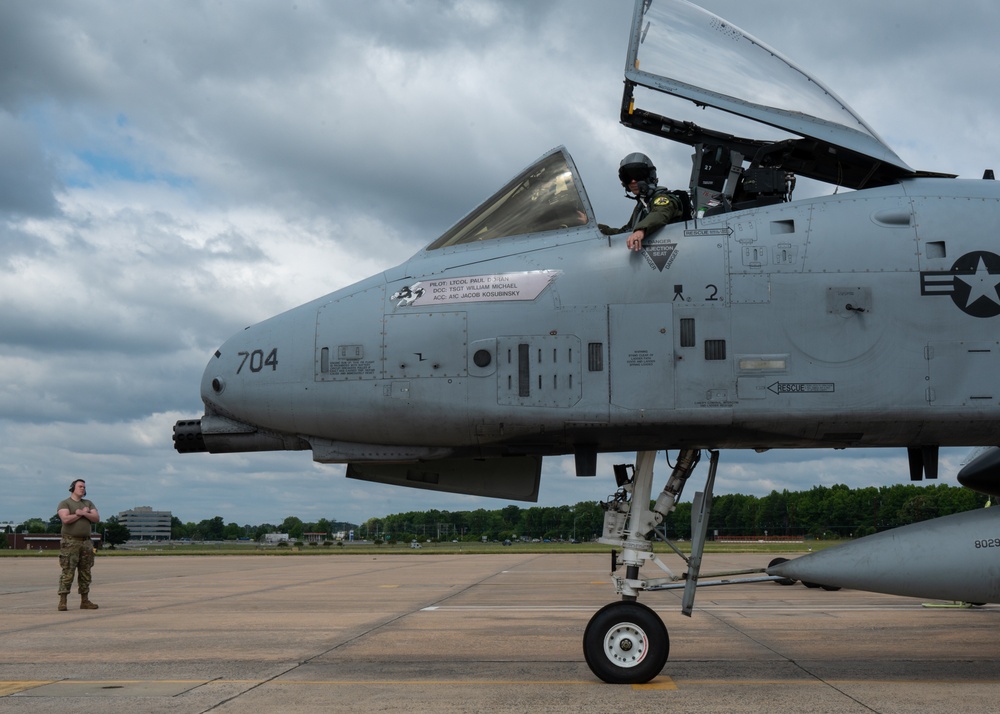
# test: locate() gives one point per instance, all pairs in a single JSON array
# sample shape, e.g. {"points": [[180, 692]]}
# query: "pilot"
{"points": [[655, 206]]}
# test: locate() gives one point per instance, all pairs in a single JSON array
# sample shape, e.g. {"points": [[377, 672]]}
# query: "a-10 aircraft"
{"points": [[863, 318]]}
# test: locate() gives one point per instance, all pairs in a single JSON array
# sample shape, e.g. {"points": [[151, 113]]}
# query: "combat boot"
{"points": [[86, 604], [62, 602]]}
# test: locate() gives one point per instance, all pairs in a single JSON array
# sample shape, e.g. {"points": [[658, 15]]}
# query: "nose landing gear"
{"points": [[625, 642]]}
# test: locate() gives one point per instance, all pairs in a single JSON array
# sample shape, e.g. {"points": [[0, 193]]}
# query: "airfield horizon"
{"points": [[470, 548]]}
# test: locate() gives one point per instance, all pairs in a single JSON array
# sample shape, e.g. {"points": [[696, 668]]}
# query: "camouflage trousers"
{"points": [[75, 556]]}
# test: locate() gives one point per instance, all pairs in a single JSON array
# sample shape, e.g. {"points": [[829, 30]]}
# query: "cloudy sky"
{"points": [[172, 171]]}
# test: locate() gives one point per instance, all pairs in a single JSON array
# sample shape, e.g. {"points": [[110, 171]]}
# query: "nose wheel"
{"points": [[626, 643]]}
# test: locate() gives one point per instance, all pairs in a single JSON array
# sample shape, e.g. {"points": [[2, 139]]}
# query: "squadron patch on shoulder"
{"points": [[661, 201]]}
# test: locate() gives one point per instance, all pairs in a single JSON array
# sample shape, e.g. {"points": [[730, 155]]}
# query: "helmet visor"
{"points": [[633, 172]]}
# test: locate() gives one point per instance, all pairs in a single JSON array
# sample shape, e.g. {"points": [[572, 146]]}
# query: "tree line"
{"points": [[217, 529], [821, 512]]}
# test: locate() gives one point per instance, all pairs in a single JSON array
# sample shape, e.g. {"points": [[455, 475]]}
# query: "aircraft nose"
{"points": [[237, 408], [213, 384], [237, 379], [189, 434]]}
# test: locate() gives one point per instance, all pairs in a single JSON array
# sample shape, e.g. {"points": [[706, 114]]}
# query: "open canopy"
{"points": [[682, 50]]}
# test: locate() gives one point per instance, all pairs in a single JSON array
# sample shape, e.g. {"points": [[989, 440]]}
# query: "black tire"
{"points": [[783, 581], [831, 588], [626, 643], [811, 585]]}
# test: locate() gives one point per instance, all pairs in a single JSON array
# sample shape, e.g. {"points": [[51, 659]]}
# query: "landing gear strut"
{"points": [[625, 642]]}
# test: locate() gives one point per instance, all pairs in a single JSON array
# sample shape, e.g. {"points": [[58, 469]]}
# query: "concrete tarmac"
{"points": [[465, 633]]}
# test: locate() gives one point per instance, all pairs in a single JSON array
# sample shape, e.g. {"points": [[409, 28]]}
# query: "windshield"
{"points": [[547, 196]]}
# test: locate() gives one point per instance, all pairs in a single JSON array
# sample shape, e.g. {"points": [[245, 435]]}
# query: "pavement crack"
{"points": [[802, 668]]}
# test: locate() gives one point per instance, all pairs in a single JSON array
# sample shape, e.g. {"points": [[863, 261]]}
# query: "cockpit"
{"points": [[678, 50]]}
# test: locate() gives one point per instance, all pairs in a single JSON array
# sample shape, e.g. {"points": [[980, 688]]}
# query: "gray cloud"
{"points": [[175, 171], [28, 180]]}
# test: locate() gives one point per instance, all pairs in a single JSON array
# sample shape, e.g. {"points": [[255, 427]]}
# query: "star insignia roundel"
{"points": [[971, 283]]}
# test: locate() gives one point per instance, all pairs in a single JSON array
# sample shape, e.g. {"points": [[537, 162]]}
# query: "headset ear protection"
{"points": [[73, 485]]}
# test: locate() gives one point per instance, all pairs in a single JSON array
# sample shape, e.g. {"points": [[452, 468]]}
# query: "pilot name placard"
{"points": [[523, 285]]}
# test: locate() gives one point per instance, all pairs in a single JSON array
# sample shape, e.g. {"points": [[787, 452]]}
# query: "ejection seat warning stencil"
{"points": [[525, 285], [660, 255]]}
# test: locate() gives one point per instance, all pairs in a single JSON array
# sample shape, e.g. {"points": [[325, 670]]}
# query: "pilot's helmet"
{"points": [[637, 167]]}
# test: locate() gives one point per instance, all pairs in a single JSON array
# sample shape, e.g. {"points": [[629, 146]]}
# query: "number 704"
{"points": [[258, 361]]}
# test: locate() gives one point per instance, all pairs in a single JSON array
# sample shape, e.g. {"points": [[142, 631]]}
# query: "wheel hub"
{"points": [[626, 644]]}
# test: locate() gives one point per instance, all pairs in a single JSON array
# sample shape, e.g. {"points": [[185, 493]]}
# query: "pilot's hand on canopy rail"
{"points": [[634, 241]]}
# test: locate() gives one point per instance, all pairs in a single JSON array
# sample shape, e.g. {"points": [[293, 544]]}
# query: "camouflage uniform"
{"points": [[76, 550]]}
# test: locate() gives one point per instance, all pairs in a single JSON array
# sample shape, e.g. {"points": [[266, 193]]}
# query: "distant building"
{"points": [[274, 538], [144, 523]]}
